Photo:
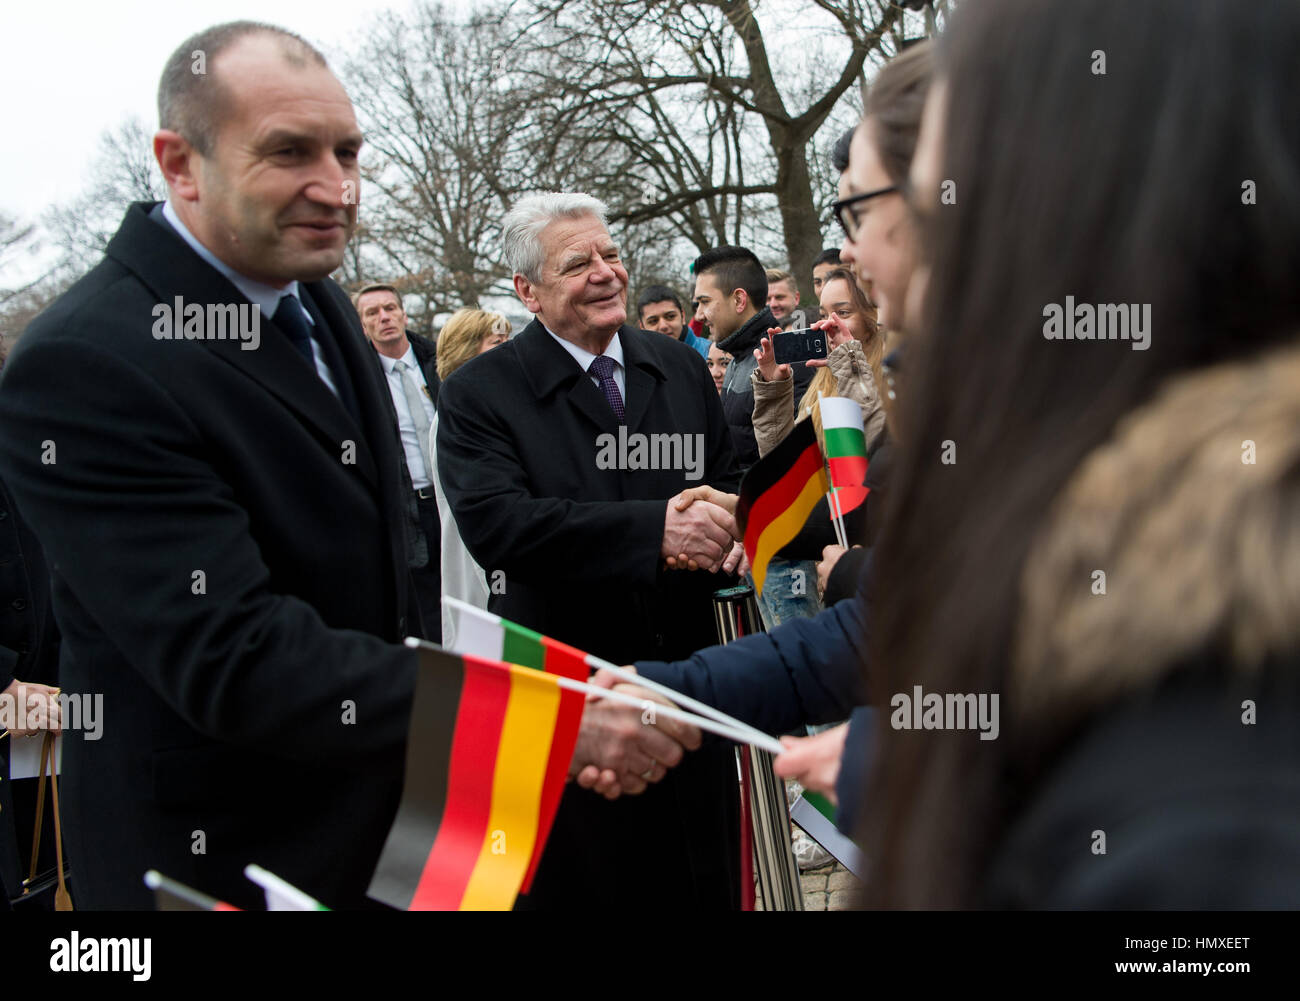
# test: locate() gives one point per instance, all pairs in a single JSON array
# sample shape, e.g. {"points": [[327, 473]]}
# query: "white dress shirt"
{"points": [[265, 297], [584, 358], [416, 461]]}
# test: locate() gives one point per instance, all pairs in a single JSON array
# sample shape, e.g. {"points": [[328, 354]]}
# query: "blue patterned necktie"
{"points": [[603, 369], [290, 317]]}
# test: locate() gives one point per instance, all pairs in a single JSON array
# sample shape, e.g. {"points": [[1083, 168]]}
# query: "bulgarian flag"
{"points": [[846, 452], [778, 493], [481, 634], [469, 825]]}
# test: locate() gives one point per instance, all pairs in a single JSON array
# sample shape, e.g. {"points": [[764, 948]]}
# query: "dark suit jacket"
{"points": [[29, 638], [518, 432], [29, 651], [227, 575], [426, 353]]}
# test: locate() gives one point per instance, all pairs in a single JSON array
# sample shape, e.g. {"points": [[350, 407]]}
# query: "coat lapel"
{"points": [[551, 370], [643, 375], [167, 266], [378, 418]]}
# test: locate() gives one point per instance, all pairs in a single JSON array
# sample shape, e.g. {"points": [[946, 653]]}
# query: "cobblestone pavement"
{"points": [[830, 887]]}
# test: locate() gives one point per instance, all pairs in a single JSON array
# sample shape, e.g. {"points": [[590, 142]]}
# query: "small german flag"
{"points": [[482, 734], [778, 494], [482, 634]]}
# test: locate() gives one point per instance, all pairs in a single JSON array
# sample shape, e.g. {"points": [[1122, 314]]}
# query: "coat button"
{"points": [[19, 604]]}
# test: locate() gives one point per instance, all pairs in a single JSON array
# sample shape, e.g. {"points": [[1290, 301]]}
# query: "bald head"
{"points": [[192, 100], [275, 194]]}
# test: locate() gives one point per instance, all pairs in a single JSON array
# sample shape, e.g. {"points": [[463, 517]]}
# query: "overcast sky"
{"points": [[71, 70]]}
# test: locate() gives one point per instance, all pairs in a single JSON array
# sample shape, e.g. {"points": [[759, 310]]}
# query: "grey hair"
{"points": [[521, 229]]}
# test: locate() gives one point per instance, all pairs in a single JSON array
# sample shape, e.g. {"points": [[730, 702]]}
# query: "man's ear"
{"points": [[527, 294], [178, 161], [740, 298]]}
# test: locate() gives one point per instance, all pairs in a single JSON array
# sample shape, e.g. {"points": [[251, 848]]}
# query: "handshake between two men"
{"points": [[621, 748]]}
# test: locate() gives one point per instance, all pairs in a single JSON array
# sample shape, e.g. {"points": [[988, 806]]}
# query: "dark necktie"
{"points": [[603, 369], [290, 317]]}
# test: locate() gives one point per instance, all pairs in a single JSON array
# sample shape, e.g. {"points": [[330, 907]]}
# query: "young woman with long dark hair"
{"points": [[1099, 525]]}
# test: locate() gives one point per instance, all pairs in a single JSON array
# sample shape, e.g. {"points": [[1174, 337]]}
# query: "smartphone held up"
{"points": [[796, 346]]}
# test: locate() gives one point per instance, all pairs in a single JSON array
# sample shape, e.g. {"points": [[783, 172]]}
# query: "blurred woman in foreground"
{"points": [[1101, 534]]}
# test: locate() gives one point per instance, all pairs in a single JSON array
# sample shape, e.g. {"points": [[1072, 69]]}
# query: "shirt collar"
{"points": [[583, 357], [267, 297], [408, 359]]}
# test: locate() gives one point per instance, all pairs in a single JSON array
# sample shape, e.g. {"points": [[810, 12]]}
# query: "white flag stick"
{"points": [[747, 736], [757, 737], [837, 518], [633, 678], [273, 885]]}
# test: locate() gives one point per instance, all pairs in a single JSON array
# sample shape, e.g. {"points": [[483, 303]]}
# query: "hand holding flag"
{"points": [[635, 750]]}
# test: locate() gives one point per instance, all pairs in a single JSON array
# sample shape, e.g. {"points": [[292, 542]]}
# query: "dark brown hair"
{"points": [[1122, 187], [894, 105]]}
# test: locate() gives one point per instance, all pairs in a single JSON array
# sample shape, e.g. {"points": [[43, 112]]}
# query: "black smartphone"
{"points": [[795, 346]]}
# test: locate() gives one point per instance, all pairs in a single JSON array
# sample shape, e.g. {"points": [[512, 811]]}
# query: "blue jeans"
{"points": [[789, 592]]}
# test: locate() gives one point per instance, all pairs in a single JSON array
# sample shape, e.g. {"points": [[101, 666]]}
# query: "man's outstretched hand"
{"points": [[702, 533], [623, 749]]}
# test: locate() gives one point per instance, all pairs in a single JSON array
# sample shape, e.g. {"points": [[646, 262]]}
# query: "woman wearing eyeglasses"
{"points": [[880, 250], [1115, 552]]}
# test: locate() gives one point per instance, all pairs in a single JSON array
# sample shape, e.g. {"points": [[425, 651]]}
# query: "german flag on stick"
{"points": [[481, 634], [778, 494], [481, 736], [471, 818]]}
